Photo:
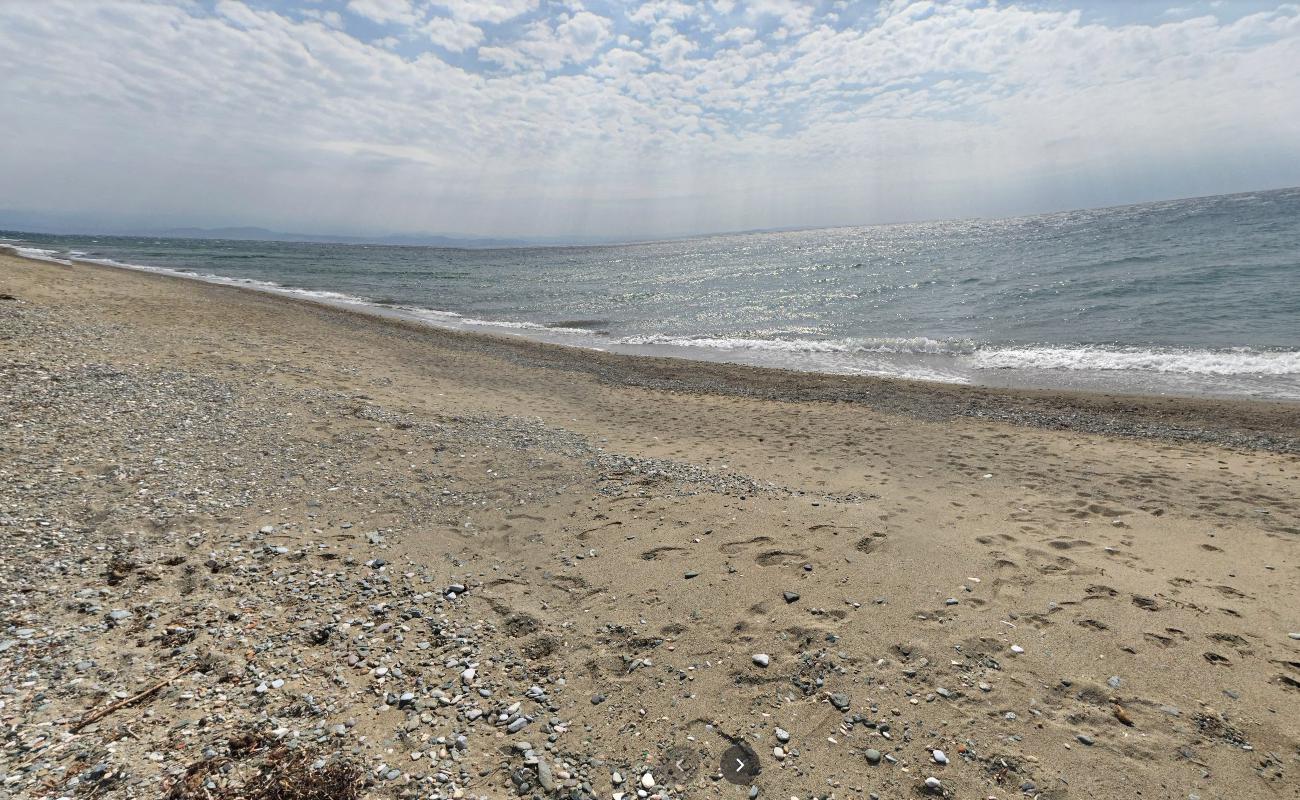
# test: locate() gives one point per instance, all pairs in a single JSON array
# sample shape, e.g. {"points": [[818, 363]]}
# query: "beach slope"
{"points": [[249, 539]]}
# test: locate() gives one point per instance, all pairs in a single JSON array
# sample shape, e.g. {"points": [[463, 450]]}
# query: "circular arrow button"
{"points": [[740, 764]]}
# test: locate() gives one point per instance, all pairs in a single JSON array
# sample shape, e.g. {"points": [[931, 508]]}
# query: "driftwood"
{"points": [[95, 716]]}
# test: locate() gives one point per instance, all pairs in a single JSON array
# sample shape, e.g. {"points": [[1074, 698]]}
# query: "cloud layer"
{"points": [[526, 117]]}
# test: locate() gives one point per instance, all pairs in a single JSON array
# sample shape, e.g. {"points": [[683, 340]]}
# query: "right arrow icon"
{"points": [[740, 764]]}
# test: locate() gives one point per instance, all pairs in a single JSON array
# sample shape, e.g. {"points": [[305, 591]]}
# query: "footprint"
{"points": [[775, 557], [732, 548], [868, 544], [1068, 544], [1228, 591], [1232, 640], [1145, 603]]}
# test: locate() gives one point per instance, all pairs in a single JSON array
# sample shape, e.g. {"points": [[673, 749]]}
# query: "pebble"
{"points": [[790, 597], [544, 776], [1017, 649], [762, 659], [840, 701], [1085, 739], [690, 575], [1294, 635], [933, 784], [939, 757], [648, 781], [782, 735], [873, 755]]}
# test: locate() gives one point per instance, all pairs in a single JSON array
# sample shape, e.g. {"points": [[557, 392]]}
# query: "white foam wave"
{"points": [[526, 326], [40, 254], [916, 345], [1190, 362]]}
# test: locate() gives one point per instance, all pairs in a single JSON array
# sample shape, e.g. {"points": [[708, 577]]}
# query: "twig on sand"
{"points": [[95, 716]]}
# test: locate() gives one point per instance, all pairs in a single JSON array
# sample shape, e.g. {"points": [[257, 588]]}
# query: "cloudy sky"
{"points": [[593, 118]]}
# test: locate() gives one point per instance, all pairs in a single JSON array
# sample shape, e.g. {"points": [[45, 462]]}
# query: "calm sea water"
{"points": [[1196, 296]]}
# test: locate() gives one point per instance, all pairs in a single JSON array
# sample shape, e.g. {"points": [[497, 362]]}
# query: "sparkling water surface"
{"points": [[1198, 296]]}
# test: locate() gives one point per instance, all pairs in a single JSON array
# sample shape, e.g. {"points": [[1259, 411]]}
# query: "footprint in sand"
{"points": [[732, 548], [774, 558], [1068, 544]]}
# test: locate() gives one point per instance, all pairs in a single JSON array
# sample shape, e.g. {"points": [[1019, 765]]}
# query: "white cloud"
{"points": [[657, 11], [923, 110], [796, 17], [739, 35], [384, 11], [620, 63], [331, 18], [492, 11], [453, 34], [574, 39]]}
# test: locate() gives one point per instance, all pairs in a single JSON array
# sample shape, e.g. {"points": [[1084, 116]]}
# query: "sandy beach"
{"points": [[240, 530]]}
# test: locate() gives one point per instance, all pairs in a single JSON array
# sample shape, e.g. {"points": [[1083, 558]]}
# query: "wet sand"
{"points": [[1139, 553]]}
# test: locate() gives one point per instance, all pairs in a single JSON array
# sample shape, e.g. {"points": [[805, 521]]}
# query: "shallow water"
{"points": [[1197, 296]]}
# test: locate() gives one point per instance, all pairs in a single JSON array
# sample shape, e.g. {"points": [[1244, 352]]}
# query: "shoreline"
{"points": [[1211, 372], [1263, 424]]}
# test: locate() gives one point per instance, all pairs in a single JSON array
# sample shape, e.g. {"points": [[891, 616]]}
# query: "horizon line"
{"points": [[565, 240]]}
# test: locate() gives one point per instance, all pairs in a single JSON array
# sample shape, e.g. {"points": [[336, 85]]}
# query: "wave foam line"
{"points": [[916, 345], [1094, 358], [1242, 361]]}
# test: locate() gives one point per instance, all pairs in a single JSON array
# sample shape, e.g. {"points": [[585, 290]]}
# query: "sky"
{"points": [[585, 118]]}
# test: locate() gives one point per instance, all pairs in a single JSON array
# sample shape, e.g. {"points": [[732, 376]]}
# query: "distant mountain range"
{"points": [[75, 225], [264, 235]]}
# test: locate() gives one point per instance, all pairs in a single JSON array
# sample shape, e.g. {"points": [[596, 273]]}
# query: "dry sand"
{"points": [[226, 466]]}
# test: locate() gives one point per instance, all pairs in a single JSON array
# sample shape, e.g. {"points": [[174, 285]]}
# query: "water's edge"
{"points": [[443, 320]]}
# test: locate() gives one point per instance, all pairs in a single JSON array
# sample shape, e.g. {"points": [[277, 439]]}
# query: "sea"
{"points": [[1195, 297]]}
